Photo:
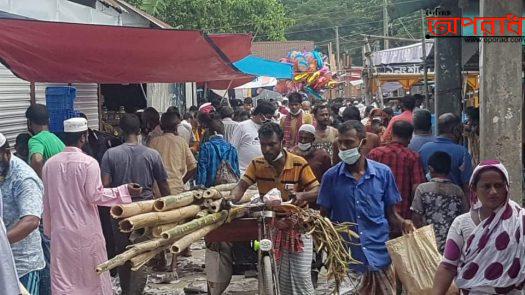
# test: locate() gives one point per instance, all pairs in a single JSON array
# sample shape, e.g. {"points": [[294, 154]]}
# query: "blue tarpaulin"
{"points": [[257, 66]]}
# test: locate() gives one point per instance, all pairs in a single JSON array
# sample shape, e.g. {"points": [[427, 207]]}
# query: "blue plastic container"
{"points": [[60, 98], [56, 119]]}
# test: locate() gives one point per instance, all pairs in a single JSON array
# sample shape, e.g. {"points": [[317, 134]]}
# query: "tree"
{"points": [[265, 19]]}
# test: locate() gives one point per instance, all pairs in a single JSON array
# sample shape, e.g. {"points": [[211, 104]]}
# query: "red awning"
{"points": [[235, 46], [40, 51]]}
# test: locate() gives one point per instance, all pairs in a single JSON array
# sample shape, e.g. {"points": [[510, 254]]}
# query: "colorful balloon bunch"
{"points": [[311, 74]]}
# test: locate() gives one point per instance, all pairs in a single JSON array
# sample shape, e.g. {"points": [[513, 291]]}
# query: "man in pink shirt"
{"points": [[72, 191], [408, 104]]}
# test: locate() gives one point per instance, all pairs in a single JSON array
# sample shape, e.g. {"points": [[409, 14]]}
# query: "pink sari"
{"points": [[492, 259]]}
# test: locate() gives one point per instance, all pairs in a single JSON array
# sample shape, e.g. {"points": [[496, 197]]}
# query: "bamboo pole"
{"points": [[133, 251], [175, 201], [212, 194], [196, 224], [158, 218], [225, 187], [140, 260], [145, 232], [215, 206], [202, 213], [156, 231], [127, 210], [199, 194], [187, 240], [247, 197]]}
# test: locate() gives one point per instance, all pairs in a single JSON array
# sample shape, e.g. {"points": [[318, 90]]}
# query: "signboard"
{"points": [[402, 69]]}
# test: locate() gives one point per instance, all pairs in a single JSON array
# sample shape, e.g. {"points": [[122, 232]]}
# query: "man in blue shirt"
{"points": [[422, 120], [22, 192], [450, 131], [364, 192]]}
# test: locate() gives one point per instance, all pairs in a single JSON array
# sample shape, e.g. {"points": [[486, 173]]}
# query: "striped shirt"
{"points": [[296, 171]]}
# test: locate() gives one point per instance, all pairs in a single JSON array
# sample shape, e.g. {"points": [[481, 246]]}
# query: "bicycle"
{"points": [[267, 267]]}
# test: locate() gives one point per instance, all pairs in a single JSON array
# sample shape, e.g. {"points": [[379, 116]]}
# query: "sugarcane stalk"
{"points": [[156, 231], [127, 210], [158, 218], [215, 206], [132, 251], [183, 243], [140, 260], [196, 224], [175, 201]]}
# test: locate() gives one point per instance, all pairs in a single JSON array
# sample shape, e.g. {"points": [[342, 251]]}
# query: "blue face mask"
{"points": [[350, 156]]}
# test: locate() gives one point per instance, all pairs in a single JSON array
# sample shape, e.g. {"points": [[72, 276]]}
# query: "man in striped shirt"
{"points": [[279, 169]]}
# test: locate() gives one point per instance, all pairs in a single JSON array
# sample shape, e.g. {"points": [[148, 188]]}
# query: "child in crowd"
{"points": [[438, 201]]}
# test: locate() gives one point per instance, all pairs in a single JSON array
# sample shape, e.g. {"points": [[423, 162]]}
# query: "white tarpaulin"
{"points": [[259, 83], [356, 82], [406, 54]]}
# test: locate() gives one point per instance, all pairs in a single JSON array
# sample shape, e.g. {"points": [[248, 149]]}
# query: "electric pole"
{"points": [[385, 24], [337, 52]]}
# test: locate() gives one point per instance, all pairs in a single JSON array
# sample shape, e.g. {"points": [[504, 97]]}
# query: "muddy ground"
{"points": [[191, 279]]}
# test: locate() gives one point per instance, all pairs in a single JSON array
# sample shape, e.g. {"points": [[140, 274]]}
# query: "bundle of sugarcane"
{"points": [[327, 238], [171, 223]]}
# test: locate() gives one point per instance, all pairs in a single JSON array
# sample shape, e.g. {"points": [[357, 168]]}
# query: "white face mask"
{"points": [[297, 112], [350, 156], [304, 146], [281, 154]]}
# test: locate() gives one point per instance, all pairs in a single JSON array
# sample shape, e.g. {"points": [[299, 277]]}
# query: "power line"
{"points": [[343, 26], [323, 13]]}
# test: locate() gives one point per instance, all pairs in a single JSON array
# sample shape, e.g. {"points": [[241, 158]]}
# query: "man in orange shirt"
{"points": [[408, 104]]}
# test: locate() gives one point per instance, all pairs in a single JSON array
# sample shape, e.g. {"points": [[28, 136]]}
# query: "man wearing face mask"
{"points": [[278, 168], [318, 159], [245, 137], [449, 134], [364, 192], [291, 123], [21, 191]]}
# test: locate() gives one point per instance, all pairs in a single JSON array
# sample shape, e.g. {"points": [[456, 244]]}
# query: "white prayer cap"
{"points": [[75, 125], [307, 128], [3, 140]]}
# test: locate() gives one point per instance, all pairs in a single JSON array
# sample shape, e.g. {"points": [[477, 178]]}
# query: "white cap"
{"points": [[2, 140], [307, 128], [75, 125]]}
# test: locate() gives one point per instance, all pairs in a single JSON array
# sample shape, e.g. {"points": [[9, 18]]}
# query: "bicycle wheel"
{"points": [[267, 276]]}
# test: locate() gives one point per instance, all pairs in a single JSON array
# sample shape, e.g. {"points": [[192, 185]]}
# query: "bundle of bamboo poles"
{"points": [[171, 223]]}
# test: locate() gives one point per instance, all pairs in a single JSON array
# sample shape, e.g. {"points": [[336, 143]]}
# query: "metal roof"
{"points": [[275, 50]]}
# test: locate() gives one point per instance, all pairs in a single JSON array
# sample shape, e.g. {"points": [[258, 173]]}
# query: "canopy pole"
{"points": [[424, 51], [226, 92], [205, 92]]}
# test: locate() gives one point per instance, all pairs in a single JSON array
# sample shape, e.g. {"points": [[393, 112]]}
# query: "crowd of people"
{"points": [[384, 170]]}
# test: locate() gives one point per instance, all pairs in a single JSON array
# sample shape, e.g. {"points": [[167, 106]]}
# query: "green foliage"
{"points": [[265, 19]]}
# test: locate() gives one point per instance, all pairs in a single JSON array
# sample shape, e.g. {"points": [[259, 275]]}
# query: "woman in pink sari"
{"points": [[485, 249]]}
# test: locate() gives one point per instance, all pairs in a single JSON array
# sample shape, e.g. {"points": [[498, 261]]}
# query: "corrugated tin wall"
{"points": [[14, 100], [86, 101]]}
